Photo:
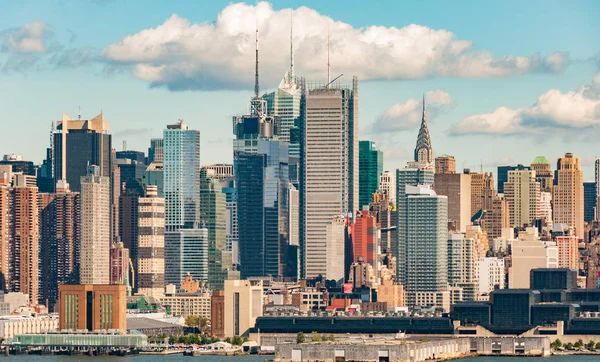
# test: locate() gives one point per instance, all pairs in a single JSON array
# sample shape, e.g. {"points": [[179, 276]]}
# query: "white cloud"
{"points": [[407, 115], [220, 55], [575, 109], [27, 39]]}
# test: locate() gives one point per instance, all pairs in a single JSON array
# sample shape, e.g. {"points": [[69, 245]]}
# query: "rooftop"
{"points": [[540, 160]]}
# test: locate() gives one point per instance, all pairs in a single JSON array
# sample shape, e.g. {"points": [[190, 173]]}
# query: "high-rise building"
{"points": [[568, 251], [457, 187], [156, 151], [366, 239], [422, 240], [95, 227], [150, 272], [543, 173], [483, 191], [597, 179], [79, 143], [329, 167], [496, 218], [370, 161], [589, 201], [546, 209], [60, 240], [129, 221], [491, 275], [503, 175], [527, 253], [154, 175], [18, 164], [423, 150], [445, 164], [522, 192], [243, 303], [462, 265], [186, 244], [387, 185], [231, 220], [262, 202], [130, 170], [213, 218], [567, 194], [19, 238]]}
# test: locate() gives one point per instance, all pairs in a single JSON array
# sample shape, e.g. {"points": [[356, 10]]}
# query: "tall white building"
{"points": [[329, 181], [387, 185], [545, 210], [462, 265], [522, 191], [95, 228]]}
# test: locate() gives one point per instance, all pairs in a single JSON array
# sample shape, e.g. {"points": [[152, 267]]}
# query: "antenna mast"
{"points": [[328, 63], [291, 45], [256, 89]]}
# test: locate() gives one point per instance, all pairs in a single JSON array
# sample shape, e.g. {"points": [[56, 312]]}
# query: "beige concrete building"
{"points": [[151, 244], [392, 294], [387, 185], [457, 186], [95, 228], [445, 164], [243, 304], [336, 243], [186, 304], [529, 252], [522, 192], [567, 194]]}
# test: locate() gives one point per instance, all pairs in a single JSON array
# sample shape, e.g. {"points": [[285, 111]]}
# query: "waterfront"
{"points": [[255, 358]]}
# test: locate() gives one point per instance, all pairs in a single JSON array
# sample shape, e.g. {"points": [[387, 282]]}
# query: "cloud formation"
{"points": [[578, 109], [30, 38], [180, 55], [407, 115]]}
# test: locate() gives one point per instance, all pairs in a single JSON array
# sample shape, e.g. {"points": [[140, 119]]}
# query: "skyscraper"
{"points": [[150, 272], [589, 201], [522, 192], [79, 143], [95, 230], [387, 185], [457, 187], [19, 238], [129, 218], [366, 239], [60, 240], [567, 194], [186, 245], [422, 241], [262, 201], [462, 265], [503, 175], [423, 150], [335, 260], [370, 161], [156, 150], [543, 173], [483, 191], [496, 218], [213, 218], [329, 167]]}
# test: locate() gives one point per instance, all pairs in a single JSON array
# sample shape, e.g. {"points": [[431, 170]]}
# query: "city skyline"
{"points": [[497, 88]]}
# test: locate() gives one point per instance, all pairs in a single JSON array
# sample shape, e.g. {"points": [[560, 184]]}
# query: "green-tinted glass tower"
{"points": [[370, 168]]}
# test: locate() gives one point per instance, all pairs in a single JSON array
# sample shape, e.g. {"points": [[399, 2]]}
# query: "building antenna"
{"points": [[256, 89], [79, 113], [291, 45], [328, 62], [481, 167]]}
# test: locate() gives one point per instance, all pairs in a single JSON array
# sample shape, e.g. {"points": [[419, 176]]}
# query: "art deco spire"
{"points": [[423, 149]]}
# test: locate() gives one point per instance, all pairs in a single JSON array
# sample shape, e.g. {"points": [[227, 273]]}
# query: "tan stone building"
{"points": [[543, 173], [567, 195], [522, 192], [151, 244], [243, 304], [445, 165], [457, 186], [483, 191]]}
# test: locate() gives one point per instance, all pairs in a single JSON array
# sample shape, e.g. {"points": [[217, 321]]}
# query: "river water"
{"points": [[178, 358]]}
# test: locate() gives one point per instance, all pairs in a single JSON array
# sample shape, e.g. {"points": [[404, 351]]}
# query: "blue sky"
{"points": [[507, 80]]}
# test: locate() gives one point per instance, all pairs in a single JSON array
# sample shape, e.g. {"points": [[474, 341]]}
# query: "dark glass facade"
{"points": [[370, 161], [512, 307], [553, 278], [83, 149], [589, 200]]}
